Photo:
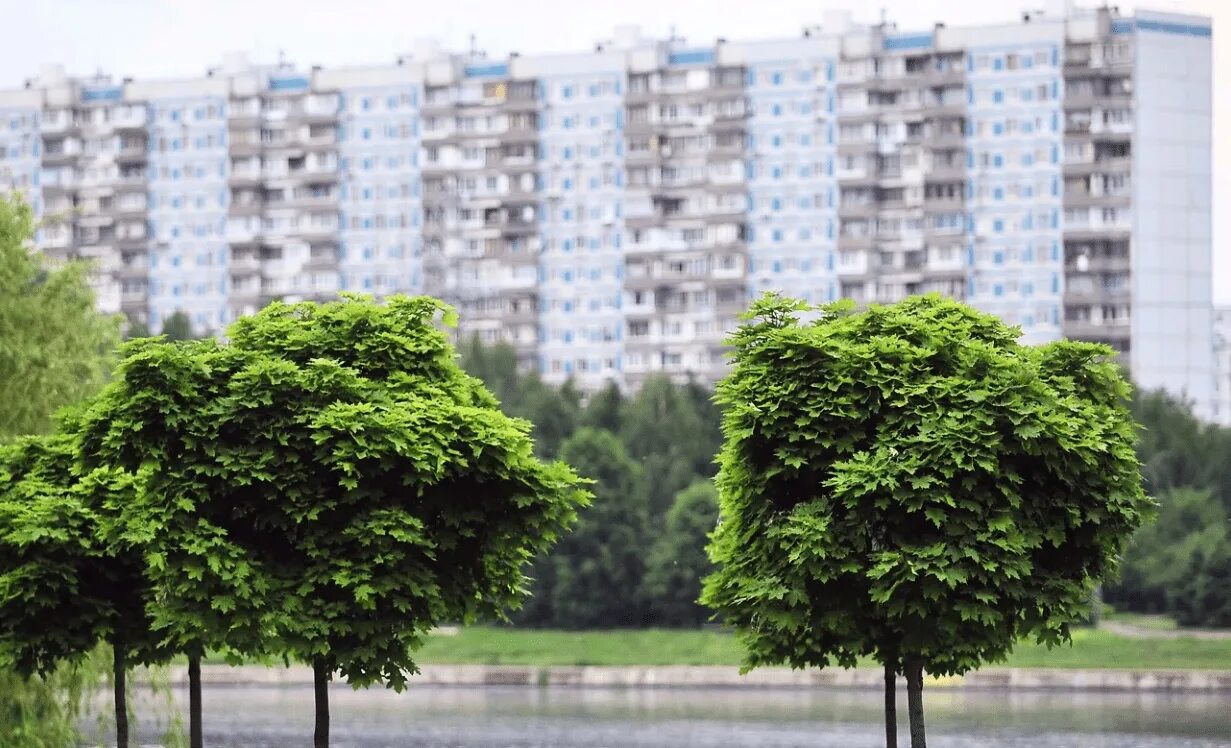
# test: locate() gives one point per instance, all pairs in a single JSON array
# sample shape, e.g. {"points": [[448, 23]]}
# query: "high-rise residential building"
{"points": [[610, 213]]}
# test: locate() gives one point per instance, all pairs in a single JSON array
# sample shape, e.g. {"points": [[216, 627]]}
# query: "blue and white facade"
{"points": [[791, 150], [380, 239], [611, 213], [580, 171], [183, 240], [21, 149], [1014, 189]]}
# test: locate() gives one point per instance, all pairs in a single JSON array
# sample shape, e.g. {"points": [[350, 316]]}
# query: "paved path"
{"points": [[1149, 632]]}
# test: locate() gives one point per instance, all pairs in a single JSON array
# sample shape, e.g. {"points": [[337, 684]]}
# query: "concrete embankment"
{"points": [[683, 676]]}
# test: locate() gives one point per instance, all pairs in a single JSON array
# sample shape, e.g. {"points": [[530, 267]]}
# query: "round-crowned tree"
{"points": [[68, 578], [910, 483], [328, 485]]}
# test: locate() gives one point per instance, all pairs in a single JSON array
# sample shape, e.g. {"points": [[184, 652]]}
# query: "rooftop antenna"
{"points": [[474, 47]]}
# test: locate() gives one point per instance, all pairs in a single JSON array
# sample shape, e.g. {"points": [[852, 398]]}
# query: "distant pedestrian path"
{"points": [[1159, 627]]}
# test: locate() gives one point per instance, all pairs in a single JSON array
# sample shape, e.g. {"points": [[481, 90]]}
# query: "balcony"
{"points": [[436, 134], [133, 151], [318, 112], [328, 171], [129, 208], [131, 178], [240, 233], [133, 118], [315, 229], [944, 139], [310, 200], [57, 122], [319, 139], [1098, 331], [1106, 164], [245, 175], [1082, 99], [243, 145], [857, 210], [244, 264], [520, 132], [56, 237], [952, 75]]}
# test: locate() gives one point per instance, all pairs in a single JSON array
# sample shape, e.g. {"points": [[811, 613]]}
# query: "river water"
{"points": [[512, 717]]}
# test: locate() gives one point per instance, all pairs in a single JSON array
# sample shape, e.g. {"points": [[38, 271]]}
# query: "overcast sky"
{"points": [[164, 38]]}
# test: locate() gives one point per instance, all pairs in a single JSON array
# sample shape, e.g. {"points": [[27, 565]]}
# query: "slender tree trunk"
{"points": [[891, 707], [1096, 606], [320, 674], [914, 702], [194, 702], [119, 668]]}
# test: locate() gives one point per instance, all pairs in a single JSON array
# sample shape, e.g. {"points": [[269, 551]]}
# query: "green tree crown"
{"points": [[909, 482], [328, 485]]}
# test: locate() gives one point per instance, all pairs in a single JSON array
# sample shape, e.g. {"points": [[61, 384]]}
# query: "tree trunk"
{"points": [[194, 702], [891, 707], [1096, 606], [320, 674], [119, 666], [914, 702]]}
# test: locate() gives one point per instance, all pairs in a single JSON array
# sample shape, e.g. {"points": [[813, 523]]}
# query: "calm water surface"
{"points": [[495, 717]]}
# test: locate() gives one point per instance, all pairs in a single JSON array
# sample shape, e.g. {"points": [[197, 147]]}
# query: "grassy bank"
{"points": [[493, 646]]}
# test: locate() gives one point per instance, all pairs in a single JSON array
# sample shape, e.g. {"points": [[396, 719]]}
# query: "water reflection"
{"points": [[493, 717]]}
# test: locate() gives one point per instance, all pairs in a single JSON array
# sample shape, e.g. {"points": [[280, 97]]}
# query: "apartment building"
{"points": [[610, 213]]}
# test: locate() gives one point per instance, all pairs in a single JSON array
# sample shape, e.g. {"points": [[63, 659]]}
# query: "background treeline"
{"points": [[637, 556], [1181, 563]]}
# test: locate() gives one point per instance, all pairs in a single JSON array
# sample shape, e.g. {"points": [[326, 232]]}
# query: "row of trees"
{"points": [[636, 557], [327, 486]]}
